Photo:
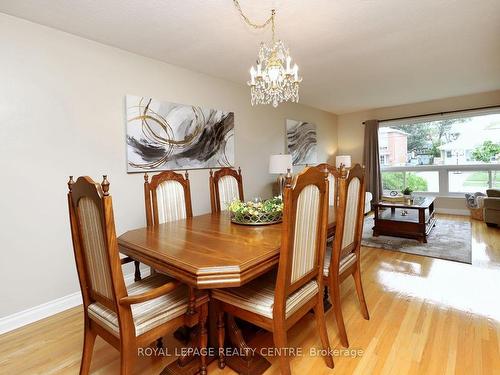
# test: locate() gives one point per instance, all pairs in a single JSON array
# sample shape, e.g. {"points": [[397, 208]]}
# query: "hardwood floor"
{"points": [[428, 316]]}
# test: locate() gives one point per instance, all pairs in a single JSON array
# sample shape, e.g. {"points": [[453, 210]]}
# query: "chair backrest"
{"points": [[303, 240], [226, 185], [333, 182], [350, 215], [167, 197], [94, 242]]}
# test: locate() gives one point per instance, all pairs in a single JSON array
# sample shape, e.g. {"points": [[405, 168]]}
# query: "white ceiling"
{"points": [[353, 54]]}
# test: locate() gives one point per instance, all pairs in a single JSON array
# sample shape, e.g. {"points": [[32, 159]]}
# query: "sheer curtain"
{"points": [[371, 160]]}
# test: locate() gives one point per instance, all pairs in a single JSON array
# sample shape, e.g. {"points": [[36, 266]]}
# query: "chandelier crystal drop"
{"points": [[274, 80]]}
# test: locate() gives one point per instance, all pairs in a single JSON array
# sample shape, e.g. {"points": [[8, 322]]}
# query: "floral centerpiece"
{"points": [[256, 212]]}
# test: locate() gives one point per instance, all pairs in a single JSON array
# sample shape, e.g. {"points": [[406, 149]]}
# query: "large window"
{"points": [[445, 155]]}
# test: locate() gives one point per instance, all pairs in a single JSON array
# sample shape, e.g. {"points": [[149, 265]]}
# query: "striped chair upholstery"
{"points": [[306, 229], [331, 190], [351, 214], [171, 201], [146, 315], [346, 260], [257, 296], [96, 256], [228, 190]]}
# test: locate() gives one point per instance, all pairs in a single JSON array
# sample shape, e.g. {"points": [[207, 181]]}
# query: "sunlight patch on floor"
{"points": [[444, 283]]}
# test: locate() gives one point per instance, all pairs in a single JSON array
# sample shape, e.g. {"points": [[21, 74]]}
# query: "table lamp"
{"points": [[343, 159], [280, 164]]}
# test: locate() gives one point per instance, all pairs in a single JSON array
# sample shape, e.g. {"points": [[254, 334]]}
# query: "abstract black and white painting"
{"points": [[163, 135], [301, 141]]}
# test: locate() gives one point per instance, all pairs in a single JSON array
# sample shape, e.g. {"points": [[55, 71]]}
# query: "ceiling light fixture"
{"points": [[274, 80]]}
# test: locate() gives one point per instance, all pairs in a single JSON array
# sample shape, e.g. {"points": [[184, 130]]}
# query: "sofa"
{"points": [[492, 207], [368, 202]]}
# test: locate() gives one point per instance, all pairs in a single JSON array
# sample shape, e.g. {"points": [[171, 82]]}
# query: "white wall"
{"points": [[351, 130], [62, 113]]}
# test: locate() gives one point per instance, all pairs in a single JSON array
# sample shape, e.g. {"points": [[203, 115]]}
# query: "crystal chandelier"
{"points": [[274, 80]]}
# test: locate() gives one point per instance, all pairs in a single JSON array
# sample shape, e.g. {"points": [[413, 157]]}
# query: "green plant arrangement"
{"points": [[256, 212], [407, 191]]}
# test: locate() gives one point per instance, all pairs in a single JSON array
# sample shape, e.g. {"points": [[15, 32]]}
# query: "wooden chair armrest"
{"points": [[126, 260], [151, 294]]}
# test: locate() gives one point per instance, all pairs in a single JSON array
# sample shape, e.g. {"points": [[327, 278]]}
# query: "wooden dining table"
{"points": [[207, 252]]}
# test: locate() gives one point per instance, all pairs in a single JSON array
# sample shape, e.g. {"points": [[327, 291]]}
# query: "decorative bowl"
{"points": [[256, 212]]}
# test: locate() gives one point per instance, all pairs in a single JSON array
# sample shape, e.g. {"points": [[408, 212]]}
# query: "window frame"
{"points": [[443, 170]]}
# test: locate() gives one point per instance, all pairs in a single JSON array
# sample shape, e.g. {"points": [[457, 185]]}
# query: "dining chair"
{"points": [[167, 197], [127, 317], [343, 258], [333, 182], [333, 200], [276, 301], [226, 185]]}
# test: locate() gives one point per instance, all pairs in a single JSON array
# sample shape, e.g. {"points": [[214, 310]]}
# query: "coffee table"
{"points": [[405, 220]]}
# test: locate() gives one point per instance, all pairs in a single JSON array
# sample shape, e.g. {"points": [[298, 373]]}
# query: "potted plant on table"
{"points": [[407, 194]]}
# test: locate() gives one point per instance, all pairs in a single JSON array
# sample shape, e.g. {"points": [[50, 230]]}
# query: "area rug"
{"points": [[450, 240]]}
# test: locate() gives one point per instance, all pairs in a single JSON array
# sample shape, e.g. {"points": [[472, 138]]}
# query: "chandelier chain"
{"points": [[274, 80], [247, 20]]}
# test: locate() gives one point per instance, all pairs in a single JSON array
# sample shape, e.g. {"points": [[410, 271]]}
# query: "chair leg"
{"points": [[319, 313], [221, 335], [280, 341], [337, 308], [361, 295], [127, 358], [137, 273], [203, 338], [88, 348]]}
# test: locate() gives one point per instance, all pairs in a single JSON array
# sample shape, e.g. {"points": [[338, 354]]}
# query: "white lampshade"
{"points": [[279, 164], [343, 159]]}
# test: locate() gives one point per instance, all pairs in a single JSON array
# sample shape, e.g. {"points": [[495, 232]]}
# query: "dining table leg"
{"points": [[327, 305], [242, 358], [189, 363], [192, 344], [239, 356]]}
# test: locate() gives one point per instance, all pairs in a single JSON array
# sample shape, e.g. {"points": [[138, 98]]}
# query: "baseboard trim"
{"points": [[33, 314], [452, 211], [36, 313]]}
